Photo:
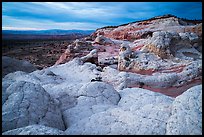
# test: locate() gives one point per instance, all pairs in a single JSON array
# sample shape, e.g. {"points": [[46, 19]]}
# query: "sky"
{"points": [[89, 15]]}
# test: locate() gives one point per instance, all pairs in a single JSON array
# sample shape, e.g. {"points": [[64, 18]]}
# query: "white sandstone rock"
{"points": [[28, 104], [186, 118], [34, 130], [148, 116], [93, 94]]}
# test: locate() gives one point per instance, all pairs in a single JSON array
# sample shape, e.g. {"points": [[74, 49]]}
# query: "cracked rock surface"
{"points": [[34, 130], [136, 113], [92, 97], [141, 112], [186, 118], [28, 104]]}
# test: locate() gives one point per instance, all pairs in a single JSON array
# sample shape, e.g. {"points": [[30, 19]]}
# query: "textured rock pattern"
{"points": [[34, 130], [92, 95], [28, 104], [139, 112], [186, 118], [167, 44]]}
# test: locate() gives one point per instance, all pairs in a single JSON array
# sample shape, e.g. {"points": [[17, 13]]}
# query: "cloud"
{"points": [[62, 12], [83, 11], [8, 22], [19, 28]]}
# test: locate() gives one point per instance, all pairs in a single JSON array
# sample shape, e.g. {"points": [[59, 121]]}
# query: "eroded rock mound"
{"points": [[11, 65], [181, 45], [103, 40], [165, 52], [91, 57], [91, 98], [186, 118], [78, 48], [29, 104]]}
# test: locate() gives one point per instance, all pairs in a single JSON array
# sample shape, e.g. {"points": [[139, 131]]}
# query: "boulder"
{"points": [[11, 65], [29, 104], [91, 96], [186, 115], [170, 44], [91, 57], [100, 39], [78, 48]]}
